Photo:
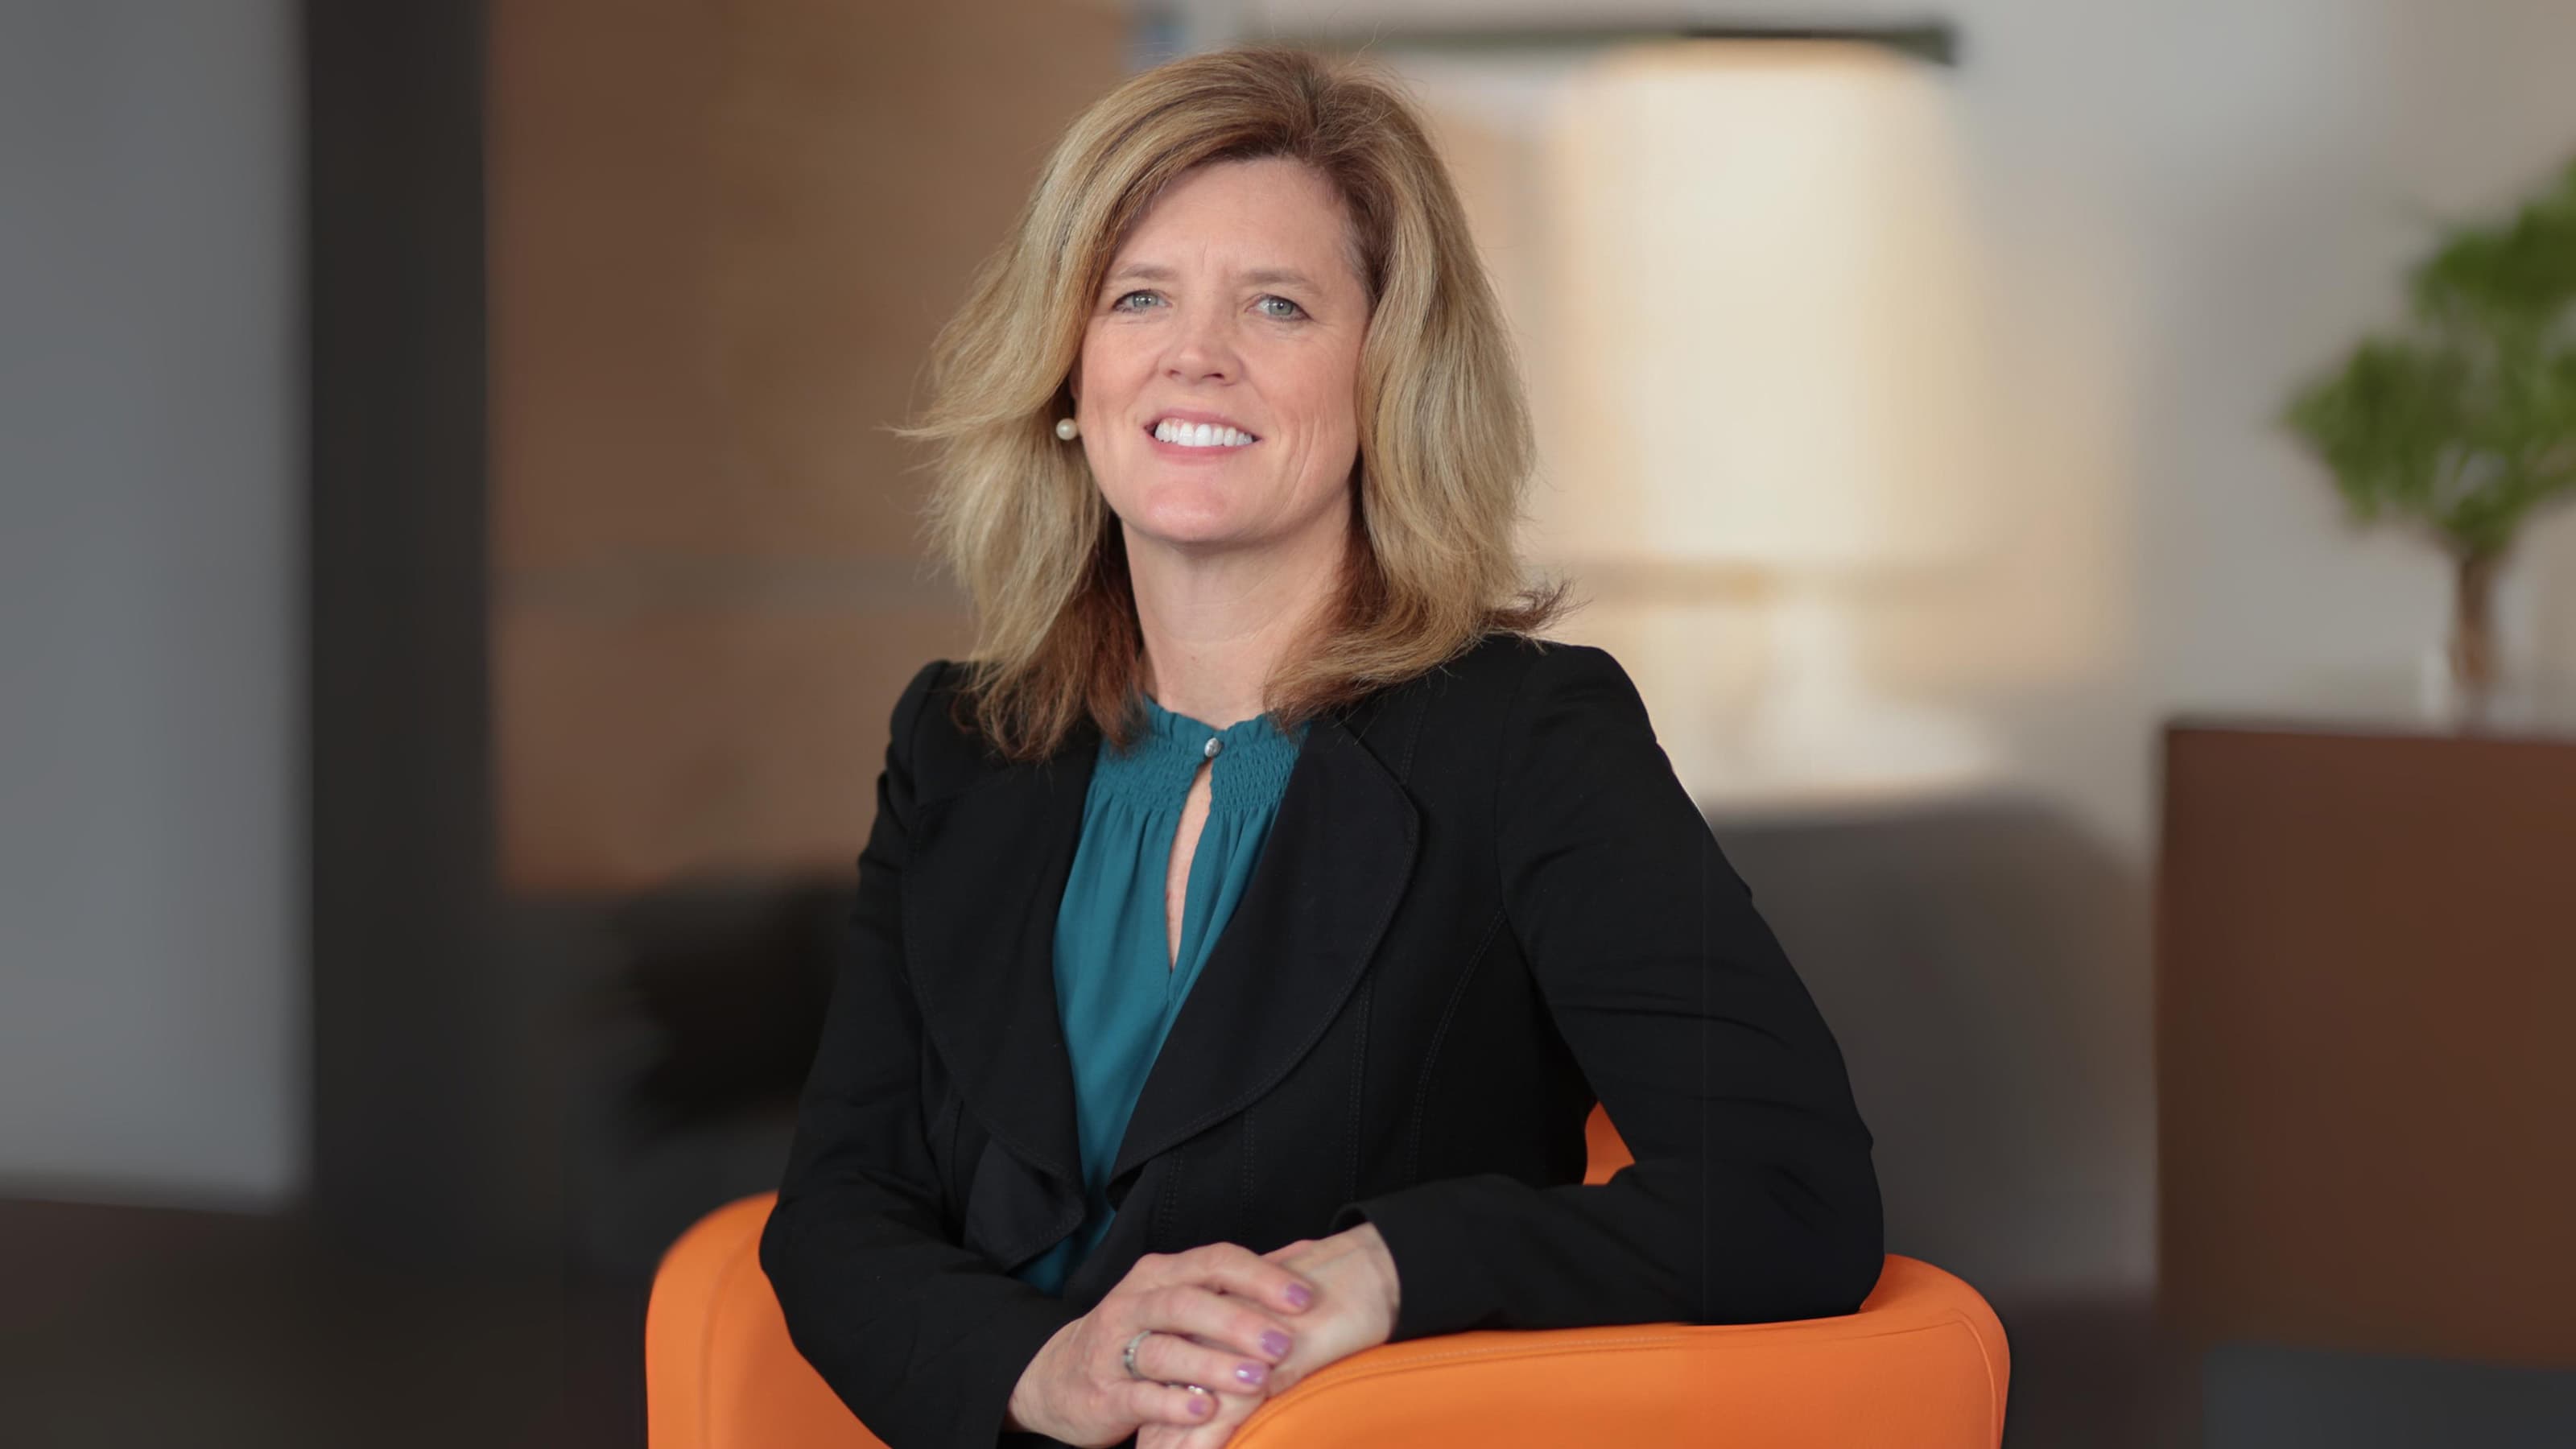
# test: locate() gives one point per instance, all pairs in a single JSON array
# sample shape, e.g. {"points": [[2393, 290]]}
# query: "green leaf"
{"points": [[2466, 423], [2381, 424], [2517, 276]]}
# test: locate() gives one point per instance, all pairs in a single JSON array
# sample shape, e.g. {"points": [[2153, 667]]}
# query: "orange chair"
{"points": [[1923, 1365]]}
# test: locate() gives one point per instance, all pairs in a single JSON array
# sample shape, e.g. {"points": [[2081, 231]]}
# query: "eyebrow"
{"points": [[1259, 276]]}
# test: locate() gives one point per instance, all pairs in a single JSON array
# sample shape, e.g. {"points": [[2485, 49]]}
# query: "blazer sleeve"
{"points": [[1752, 1198], [923, 1338]]}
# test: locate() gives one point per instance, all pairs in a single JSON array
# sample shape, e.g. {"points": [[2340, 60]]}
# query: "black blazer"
{"points": [[1485, 897]]}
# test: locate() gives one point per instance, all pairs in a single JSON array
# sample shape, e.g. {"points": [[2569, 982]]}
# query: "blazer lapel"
{"points": [[981, 892], [1338, 858], [981, 895]]}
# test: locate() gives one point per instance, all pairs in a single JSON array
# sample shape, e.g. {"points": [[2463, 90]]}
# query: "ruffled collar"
{"points": [[1253, 759]]}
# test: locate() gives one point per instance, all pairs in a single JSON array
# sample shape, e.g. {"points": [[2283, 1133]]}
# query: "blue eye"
{"points": [[1121, 304], [1294, 311]]}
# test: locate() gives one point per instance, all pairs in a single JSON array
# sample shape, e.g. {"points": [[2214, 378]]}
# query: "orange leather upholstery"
{"points": [[1923, 1365]]}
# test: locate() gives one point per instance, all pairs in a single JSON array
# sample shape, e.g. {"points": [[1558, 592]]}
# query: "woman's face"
{"points": [[1233, 305]]}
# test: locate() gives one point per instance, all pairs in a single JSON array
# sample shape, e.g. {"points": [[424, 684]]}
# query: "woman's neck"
{"points": [[1216, 625]]}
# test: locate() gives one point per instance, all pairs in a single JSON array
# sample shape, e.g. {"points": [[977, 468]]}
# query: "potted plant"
{"points": [[2464, 422]]}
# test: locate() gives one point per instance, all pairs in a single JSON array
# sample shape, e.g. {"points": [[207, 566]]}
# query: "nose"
{"points": [[1202, 350]]}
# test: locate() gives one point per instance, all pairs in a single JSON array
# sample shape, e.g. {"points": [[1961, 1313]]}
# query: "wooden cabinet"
{"points": [[2366, 1041]]}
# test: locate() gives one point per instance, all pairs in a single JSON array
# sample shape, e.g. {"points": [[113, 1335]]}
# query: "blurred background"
{"points": [[457, 576]]}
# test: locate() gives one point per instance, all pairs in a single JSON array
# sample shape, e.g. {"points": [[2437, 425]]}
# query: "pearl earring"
{"points": [[1067, 429]]}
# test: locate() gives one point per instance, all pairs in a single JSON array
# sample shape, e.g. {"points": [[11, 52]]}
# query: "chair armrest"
{"points": [[719, 1369], [1923, 1365]]}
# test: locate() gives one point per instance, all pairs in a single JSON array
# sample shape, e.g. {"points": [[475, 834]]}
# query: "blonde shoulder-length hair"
{"points": [[1445, 448]]}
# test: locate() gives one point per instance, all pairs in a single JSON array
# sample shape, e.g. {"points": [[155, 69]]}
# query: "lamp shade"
{"points": [[1764, 277]]}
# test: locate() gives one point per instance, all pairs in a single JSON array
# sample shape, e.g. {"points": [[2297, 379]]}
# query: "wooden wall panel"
{"points": [[721, 238]]}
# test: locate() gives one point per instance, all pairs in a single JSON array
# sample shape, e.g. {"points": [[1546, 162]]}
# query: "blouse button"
{"points": [[1213, 745]]}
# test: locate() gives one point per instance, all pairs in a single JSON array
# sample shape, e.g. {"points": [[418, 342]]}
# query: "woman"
{"points": [[1246, 931]]}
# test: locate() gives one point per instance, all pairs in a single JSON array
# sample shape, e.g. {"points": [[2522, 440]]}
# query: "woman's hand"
{"points": [[1221, 1316], [1356, 1310]]}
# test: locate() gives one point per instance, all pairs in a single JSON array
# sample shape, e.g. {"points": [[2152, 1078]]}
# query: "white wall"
{"points": [[152, 982], [2187, 207], [2193, 207], [2198, 206]]}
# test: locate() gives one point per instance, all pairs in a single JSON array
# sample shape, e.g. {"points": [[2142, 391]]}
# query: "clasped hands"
{"points": [[1210, 1310]]}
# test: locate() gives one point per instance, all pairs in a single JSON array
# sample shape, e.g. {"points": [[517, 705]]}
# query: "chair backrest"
{"points": [[1609, 1151]]}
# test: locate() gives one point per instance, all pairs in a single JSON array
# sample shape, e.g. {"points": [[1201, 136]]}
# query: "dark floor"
{"points": [[135, 1326], [2094, 1372], [2265, 1396]]}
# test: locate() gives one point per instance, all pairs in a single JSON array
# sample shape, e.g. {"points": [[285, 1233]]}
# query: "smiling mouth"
{"points": [[1214, 437]]}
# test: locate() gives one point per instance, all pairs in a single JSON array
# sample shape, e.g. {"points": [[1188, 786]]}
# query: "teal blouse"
{"points": [[1118, 986]]}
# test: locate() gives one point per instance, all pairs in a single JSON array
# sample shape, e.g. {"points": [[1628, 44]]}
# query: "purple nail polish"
{"points": [[1299, 1295], [1251, 1373], [1275, 1344], [1198, 1405]]}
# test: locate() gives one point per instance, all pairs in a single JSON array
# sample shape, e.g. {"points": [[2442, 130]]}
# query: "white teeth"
{"points": [[1200, 435]]}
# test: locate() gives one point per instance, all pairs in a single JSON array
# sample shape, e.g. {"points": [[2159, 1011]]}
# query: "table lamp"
{"points": [[1766, 334]]}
